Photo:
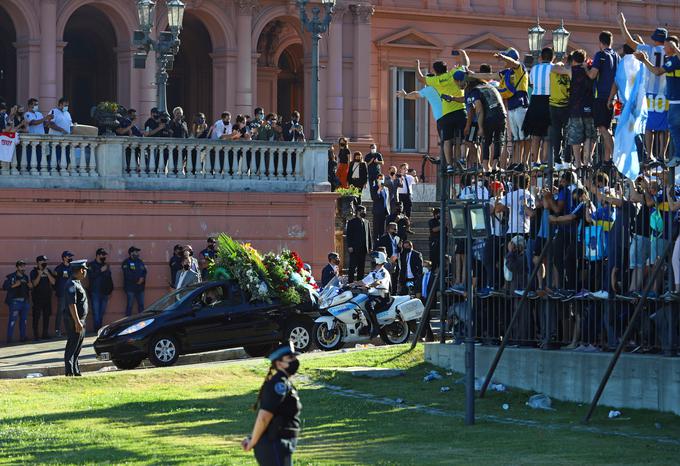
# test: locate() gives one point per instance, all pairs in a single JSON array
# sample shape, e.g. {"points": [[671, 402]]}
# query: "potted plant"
{"points": [[106, 115], [348, 197]]}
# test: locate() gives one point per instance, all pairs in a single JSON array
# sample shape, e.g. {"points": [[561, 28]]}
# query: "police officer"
{"points": [[17, 286], [74, 319], [278, 406], [134, 280], [62, 275]]}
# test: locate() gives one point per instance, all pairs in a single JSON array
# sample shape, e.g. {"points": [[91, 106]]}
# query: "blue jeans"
{"points": [[99, 302], [17, 310], [132, 296], [674, 127]]}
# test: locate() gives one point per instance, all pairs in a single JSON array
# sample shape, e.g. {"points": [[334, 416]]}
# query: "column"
{"points": [[244, 73], [333, 122], [223, 85], [60, 68], [145, 80], [361, 99], [126, 94], [48, 54], [28, 70]]}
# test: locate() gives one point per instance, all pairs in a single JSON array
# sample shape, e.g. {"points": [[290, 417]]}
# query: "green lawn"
{"points": [[198, 415]]}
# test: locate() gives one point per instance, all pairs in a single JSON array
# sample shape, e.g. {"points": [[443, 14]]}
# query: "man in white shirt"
{"points": [[377, 285], [405, 190], [222, 127], [519, 206], [61, 123], [36, 125]]}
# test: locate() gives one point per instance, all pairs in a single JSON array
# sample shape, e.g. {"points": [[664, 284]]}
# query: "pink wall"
{"points": [[39, 222]]}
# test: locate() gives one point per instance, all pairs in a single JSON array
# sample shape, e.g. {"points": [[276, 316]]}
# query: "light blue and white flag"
{"points": [[632, 84]]}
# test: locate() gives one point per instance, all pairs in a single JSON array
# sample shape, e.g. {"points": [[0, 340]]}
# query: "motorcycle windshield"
{"points": [[329, 290]]}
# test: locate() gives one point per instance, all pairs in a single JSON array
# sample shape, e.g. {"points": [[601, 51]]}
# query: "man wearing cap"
{"points": [[277, 426], [207, 255], [101, 286], [74, 319], [657, 105], [331, 270], [134, 280], [17, 285], [42, 280], [62, 274]]}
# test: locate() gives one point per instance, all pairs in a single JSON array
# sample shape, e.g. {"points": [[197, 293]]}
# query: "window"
{"points": [[409, 122]]}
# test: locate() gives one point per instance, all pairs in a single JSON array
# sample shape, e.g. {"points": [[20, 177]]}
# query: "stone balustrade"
{"points": [[165, 164]]}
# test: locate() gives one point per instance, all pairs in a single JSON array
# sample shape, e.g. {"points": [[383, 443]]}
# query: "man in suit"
{"points": [[411, 273], [391, 242], [188, 275], [381, 208], [331, 270], [403, 222], [293, 131], [358, 172], [392, 183], [358, 242]]}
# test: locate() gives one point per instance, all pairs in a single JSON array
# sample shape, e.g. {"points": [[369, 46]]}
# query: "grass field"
{"points": [[198, 415]]}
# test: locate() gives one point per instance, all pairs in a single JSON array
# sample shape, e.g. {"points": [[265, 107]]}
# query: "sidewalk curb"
{"points": [[93, 366]]}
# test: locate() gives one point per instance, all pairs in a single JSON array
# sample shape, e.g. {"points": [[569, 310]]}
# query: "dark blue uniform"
{"points": [[75, 294], [101, 287], [278, 443], [133, 270], [18, 303], [62, 275]]}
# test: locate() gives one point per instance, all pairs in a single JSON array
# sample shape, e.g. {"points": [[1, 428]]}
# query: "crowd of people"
{"points": [[34, 290]]}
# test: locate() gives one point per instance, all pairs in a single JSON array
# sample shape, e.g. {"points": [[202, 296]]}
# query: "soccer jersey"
{"points": [[445, 84], [540, 78], [433, 98], [656, 85]]}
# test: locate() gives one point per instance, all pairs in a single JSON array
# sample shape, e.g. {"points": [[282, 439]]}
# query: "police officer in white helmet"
{"points": [[377, 283]]}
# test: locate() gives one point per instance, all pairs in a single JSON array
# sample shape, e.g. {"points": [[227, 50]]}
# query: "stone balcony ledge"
{"points": [[165, 164]]}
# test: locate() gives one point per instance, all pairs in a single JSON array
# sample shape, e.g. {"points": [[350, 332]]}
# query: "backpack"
{"points": [[507, 88]]}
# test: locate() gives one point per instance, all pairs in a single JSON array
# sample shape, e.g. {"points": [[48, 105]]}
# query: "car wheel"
{"points": [[396, 333], [126, 364], [163, 351], [327, 340], [258, 351], [299, 331]]}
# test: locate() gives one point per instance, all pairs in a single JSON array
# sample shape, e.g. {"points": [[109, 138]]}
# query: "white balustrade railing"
{"points": [[110, 162]]}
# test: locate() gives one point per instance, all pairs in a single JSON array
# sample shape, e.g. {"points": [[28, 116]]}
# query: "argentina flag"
{"points": [[631, 81]]}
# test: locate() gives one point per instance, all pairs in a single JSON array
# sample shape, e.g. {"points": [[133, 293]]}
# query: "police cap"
{"points": [[41, 259], [132, 249], [284, 350], [66, 254], [79, 264]]}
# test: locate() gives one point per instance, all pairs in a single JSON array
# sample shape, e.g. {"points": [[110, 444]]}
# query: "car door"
{"points": [[206, 324]]}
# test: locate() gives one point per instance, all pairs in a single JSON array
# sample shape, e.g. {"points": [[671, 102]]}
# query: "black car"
{"points": [[204, 317]]}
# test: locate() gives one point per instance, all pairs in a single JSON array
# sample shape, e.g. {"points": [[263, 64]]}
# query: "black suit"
{"points": [[293, 132], [363, 175], [327, 274], [381, 209], [403, 224], [359, 239], [385, 241], [416, 263]]}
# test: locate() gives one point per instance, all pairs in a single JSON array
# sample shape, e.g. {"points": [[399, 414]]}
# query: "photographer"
{"points": [[293, 131], [42, 280], [180, 130]]}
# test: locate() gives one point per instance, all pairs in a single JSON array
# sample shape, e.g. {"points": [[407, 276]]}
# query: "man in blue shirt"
{"points": [[670, 67], [134, 280], [603, 72]]}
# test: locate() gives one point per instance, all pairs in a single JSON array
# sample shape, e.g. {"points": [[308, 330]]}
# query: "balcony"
{"points": [[159, 164]]}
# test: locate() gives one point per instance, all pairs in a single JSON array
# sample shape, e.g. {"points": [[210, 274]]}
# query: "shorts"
{"points": [[515, 121], [640, 249], [602, 114], [657, 121], [451, 125], [473, 135], [579, 129], [537, 120], [657, 248]]}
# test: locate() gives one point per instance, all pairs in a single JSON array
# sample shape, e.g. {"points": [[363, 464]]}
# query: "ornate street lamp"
{"points": [[536, 34], [316, 26], [560, 38], [166, 46]]}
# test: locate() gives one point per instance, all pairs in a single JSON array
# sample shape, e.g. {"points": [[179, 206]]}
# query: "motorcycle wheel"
{"points": [[327, 340], [396, 333]]}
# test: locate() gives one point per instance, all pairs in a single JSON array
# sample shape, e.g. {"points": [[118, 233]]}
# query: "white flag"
{"points": [[8, 142]]}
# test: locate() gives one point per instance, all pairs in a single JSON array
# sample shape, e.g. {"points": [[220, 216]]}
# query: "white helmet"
{"points": [[379, 257]]}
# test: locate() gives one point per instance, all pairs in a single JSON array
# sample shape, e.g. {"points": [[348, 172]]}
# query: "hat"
{"points": [[379, 257], [41, 259], [333, 255], [459, 75], [79, 264], [132, 249], [660, 35], [511, 53], [211, 239], [66, 254], [283, 350], [154, 110], [20, 262], [101, 252]]}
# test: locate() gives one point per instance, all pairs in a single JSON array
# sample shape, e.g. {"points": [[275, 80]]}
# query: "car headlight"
{"points": [[102, 330], [137, 327]]}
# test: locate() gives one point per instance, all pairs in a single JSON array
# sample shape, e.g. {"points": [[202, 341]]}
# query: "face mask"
{"points": [[185, 266], [66, 108], [259, 117], [43, 265], [103, 259], [362, 215], [69, 260], [393, 173], [36, 108], [407, 249], [293, 367], [295, 121], [373, 150]]}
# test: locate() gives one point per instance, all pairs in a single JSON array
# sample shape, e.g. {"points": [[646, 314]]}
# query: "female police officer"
{"points": [[277, 425]]}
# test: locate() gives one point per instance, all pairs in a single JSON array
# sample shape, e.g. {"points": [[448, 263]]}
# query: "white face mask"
{"points": [[373, 150], [66, 108], [36, 108]]}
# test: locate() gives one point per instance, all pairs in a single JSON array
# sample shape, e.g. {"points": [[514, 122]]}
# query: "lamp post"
{"points": [[316, 26], [166, 46], [536, 34], [560, 38]]}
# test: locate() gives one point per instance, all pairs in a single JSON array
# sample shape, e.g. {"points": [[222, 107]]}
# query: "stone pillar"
{"points": [[146, 82], [267, 88], [244, 66], [126, 93], [334, 76], [361, 99], [28, 70], [48, 54], [223, 84], [60, 68]]}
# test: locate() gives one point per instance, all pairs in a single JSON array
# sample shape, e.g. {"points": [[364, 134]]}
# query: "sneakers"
{"points": [[449, 169], [530, 294], [600, 294], [670, 296], [583, 294]]}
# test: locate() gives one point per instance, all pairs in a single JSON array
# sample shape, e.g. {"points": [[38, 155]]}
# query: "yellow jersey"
{"points": [[559, 90], [445, 84]]}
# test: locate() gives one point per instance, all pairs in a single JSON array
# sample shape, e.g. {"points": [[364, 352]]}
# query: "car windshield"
{"points": [[171, 300]]}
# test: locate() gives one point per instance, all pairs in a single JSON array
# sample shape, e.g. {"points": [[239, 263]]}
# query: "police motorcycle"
{"points": [[343, 317]]}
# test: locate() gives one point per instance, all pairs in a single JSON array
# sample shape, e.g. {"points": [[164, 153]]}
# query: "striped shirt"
{"points": [[540, 78], [656, 85]]}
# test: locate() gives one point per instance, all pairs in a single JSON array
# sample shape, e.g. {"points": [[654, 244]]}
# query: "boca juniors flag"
{"points": [[8, 142]]}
